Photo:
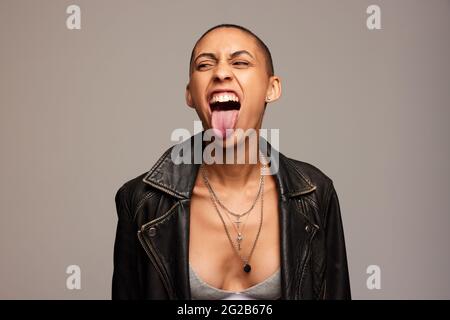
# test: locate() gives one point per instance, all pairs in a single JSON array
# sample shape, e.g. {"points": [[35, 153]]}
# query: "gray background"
{"points": [[84, 111]]}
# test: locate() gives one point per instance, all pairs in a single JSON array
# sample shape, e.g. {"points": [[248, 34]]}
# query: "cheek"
{"points": [[198, 90], [255, 93], [255, 83]]}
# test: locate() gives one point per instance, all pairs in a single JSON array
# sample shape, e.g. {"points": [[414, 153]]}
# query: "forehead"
{"points": [[227, 40]]}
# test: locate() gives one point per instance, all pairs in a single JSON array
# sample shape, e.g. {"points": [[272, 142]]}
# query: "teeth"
{"points": [[223, 97]]}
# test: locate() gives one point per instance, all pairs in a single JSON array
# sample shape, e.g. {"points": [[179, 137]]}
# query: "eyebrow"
{"points": [[233, 55]]}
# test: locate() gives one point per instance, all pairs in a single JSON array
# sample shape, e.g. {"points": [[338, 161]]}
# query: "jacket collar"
{"points": [[178, 179]]}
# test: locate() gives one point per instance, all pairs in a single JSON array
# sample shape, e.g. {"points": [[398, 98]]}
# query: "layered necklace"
{"points": [[237, 223]]}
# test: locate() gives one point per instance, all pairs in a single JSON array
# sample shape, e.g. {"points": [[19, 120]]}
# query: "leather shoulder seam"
{"points": [[327, 199], [147, 196]]}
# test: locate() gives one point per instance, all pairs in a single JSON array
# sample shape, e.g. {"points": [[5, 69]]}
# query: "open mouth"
{"points": [[225, 108], [223, 101]]}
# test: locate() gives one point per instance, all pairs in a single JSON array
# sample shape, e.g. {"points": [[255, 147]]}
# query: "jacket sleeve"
{"points": [[125, 280], [337, 283]]}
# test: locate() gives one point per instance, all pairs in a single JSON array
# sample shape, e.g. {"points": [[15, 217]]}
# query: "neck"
{"points": [[235, 175]]}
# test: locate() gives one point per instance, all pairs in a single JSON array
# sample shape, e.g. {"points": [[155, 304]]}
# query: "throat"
{"points": [[234, 176]]}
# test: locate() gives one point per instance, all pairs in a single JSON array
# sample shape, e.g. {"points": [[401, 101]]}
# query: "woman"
{"points": [[230, 231]]}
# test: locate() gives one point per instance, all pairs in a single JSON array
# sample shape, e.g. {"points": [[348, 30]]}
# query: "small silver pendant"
{"points": [[239, 240]]}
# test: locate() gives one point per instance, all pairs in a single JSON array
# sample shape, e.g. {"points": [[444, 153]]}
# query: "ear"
{"points": [[274, 89], [188, 97]]}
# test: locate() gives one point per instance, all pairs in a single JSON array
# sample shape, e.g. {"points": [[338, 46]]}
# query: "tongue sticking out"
{"points": [[223, 120]]}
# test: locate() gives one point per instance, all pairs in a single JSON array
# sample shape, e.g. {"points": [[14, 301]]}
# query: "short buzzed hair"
{"points": [[261, 44]]}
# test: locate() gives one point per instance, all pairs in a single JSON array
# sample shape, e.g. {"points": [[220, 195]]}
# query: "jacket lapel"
{"points": [[166, 241], [297, 226]]}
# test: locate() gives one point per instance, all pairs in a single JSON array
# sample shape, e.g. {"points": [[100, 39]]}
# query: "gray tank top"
{"points": [[269, 289]]}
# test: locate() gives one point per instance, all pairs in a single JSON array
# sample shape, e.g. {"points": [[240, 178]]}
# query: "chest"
{"points": [[220, 243]]}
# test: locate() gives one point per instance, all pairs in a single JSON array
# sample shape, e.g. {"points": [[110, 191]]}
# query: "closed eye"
{"points": [[202, 65], [236, 63]]}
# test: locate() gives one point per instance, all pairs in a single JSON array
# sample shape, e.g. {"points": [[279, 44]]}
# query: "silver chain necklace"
{"points": [[215, 200], [238, 216]]}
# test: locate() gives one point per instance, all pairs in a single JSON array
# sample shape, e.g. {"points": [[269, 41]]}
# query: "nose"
{"points": [[223, 72]]}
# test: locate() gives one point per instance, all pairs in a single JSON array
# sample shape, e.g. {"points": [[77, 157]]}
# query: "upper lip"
{"points": [[224, 90]]}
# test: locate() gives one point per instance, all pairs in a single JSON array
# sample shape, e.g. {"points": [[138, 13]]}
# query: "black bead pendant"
{"points": [[247, 268]]}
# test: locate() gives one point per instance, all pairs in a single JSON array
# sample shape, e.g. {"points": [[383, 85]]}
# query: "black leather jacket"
{"points": [[151, 246]]}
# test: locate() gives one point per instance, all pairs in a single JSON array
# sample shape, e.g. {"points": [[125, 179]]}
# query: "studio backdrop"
{"points": [[91, 91]]}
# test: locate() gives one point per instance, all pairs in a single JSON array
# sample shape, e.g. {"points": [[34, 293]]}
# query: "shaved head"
{"points": [[265, 50]]}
